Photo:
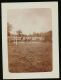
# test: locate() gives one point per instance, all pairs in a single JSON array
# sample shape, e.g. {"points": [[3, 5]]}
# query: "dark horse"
{"points": [[27, 40]]}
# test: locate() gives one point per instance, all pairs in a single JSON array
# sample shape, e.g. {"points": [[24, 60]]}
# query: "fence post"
{"points": [[19, 39], [16, 40]]}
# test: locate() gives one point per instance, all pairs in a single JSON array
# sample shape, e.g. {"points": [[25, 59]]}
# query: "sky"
{"points": [[30, 20]]}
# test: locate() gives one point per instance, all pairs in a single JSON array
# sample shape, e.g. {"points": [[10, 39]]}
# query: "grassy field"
{"points": [[30, 57]]}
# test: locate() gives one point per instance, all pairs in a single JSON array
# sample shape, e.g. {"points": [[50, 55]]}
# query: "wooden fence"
{"points": [[24, 39]]}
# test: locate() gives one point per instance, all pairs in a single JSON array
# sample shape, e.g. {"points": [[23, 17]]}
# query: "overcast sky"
{"points": [[30, 20]]}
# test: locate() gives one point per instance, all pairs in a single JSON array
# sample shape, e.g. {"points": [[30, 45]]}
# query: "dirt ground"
{"points": [[30, 57]]}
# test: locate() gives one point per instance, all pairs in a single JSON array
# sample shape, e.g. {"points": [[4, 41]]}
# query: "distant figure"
{"points": [[28, 40], [21, 38], [25, 39]]}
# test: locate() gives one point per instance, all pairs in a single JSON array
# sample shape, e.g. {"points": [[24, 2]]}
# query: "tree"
{"points": [[37, 34], [34, 34], [19, 32], [9, 28], [48, 36]]}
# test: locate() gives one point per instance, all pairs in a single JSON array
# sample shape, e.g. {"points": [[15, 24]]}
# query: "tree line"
{"points": [[47, 35]]}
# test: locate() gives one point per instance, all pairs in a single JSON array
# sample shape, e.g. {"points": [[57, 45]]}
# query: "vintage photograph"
{"points": [[29, 38]]}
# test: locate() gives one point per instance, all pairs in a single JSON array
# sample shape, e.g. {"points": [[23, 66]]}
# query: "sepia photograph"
{"points": [[30, 48], [29, 38]]}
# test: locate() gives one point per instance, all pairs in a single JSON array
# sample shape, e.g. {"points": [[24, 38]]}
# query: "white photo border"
{"points": [[55, 46]]}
